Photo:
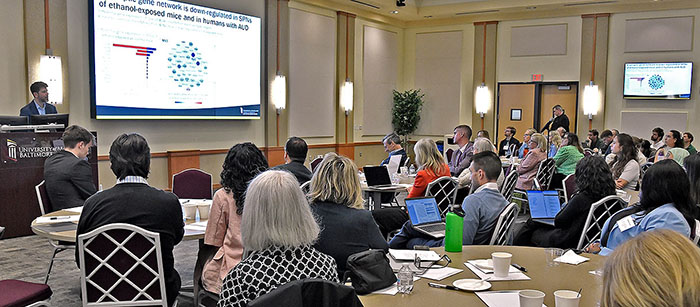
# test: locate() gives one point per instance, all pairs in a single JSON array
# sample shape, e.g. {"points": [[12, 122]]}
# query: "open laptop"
{"points": [[425, 216], [544, 206], [378, 177]]}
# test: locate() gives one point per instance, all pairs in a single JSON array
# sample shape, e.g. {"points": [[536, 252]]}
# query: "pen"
{"points": [[521, 268], [59, 217], [435, 285]]}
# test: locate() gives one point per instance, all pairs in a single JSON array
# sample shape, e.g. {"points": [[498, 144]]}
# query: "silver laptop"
{"points": [[544, 206], [425, 216]]}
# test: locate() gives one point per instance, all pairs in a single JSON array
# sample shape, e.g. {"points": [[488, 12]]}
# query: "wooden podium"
{"points": [[22, 157]]}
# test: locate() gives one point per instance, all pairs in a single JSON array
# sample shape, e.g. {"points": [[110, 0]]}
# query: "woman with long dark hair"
{"points": [[665, 203], [593, 182], [242, 163], [674, 148], [624, 166], [692, 168]]}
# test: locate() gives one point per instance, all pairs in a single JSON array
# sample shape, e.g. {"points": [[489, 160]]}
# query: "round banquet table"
{"points": [[543, 278]]}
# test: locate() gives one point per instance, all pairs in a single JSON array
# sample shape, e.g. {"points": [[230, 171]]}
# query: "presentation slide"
{"points": [[172, 60], [658, 80], [543, 204]]}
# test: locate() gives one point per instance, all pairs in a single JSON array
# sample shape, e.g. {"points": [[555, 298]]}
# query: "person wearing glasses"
{"points": [[522, 151], [504, 147], [529, 165]]}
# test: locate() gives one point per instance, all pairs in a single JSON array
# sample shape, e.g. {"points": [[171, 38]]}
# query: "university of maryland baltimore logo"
{"points": [[12, 150]]}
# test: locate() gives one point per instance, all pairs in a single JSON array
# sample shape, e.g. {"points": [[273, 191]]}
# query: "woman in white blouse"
{"points": [[624, 166]]}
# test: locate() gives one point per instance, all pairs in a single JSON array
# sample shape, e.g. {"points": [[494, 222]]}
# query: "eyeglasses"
{"points": [[444, 261]]}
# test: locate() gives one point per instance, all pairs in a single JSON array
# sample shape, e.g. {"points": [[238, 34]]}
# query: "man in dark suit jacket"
{"points": [[295, 151], [510, 140], [392, 145], [67, 174], [559, 120], [40, 103], [134, 202]]}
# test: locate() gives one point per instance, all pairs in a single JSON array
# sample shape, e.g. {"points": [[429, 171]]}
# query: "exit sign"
{"points": [[537, 77]]}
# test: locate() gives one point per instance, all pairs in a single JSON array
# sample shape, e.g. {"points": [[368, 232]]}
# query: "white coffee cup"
{"points": [[531, 298], [566, 298], [501, 263], [203, 209], [190, 211]]}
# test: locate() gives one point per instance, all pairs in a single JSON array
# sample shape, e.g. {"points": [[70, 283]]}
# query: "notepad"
{"points": [[410, 254]]}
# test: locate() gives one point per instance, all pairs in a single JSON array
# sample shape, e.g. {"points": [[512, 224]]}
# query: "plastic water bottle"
{"points": [[453, 232], [412, 169], [405, 279]]}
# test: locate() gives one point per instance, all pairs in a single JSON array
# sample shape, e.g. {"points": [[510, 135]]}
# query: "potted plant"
{"points": [[405, 114]]}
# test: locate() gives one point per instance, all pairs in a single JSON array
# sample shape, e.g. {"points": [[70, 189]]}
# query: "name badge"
{"points": [[505, 147], [625, 223]]}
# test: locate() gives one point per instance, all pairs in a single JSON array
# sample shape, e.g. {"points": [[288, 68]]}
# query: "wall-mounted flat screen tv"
{"points": [[173, 60], [658, 80]]}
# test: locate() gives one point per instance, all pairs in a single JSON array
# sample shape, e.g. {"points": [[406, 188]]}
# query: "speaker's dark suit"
{"points": [[30, 109], [68, 180]]}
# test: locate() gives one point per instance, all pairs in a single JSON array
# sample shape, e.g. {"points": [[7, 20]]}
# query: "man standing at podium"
{"points": [[40, 104], [67, 173]]}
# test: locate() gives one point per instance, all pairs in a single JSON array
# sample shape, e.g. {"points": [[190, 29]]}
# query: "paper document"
{"points": [[195, 201], [507, 298], [57, 219], [571, 257], [393, 165], [410, 254], [513, 274], [77, 210], [201, 226], [441, 273]]}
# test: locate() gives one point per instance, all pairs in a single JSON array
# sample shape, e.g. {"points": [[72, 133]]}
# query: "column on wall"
{"points": [[594, 34], [277, 123], [345, 72], [485, 38]]}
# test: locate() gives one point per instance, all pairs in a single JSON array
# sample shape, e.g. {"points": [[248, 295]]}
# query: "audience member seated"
{"points": [[638, 143], [607, 137], [659, 268], [481, 208], [566, 158], [645, 148], [67, 174], [687, 143], [554, 144], [624, 166], [336, 200], [392, 145], [463, 156], [562, 132], [483, 134], [524, 149], [665, 203], [673, 149], [223, 235], [529, 165], [593, 182], [295, 151], [692, 168], [279, 229], [505, 146], [133, 201], [465, 178], [657, 138], [431, 166], [594, 142]]}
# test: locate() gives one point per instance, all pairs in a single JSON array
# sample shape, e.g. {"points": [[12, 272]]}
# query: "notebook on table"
{"points": [[425, 216], [544, 206], [378, 177]]}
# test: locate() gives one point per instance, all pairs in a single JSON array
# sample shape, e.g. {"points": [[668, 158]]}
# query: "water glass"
{"points": [[551, 254]]}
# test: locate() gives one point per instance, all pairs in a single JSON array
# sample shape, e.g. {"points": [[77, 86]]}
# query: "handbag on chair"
{"points": [[369, 271]]}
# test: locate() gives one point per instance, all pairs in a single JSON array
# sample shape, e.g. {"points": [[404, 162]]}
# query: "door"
{"points": [[514, 100], [558, 94]]}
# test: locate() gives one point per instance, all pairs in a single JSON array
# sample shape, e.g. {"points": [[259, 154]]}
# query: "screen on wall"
{"points": [[658, 80], [157, 59]]}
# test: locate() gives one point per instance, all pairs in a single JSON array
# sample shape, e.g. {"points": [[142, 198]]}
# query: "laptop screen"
{"points": [[543, 204], [423, 210], [377, 175]]}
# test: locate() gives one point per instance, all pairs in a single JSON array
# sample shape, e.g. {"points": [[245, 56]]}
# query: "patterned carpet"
{"points": [[27, 258]]}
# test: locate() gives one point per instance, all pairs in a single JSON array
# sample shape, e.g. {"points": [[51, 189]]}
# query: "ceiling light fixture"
{"points": [[394, 12]]}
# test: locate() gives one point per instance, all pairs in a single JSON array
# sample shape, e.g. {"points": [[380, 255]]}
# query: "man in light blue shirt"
{"points": [[481, 209], [40, 104]]}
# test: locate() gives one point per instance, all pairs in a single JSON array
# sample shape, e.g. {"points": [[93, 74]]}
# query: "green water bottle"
{"points": [[453, 232]]}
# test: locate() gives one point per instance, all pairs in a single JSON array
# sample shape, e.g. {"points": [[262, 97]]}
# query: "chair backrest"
{"points": [[502, 231], [408, 162], [449, 153], [599, 213], [643, 169], [512, 150], [121, 264], [444, 189], [588, 152], [315, 163], [509, 185], [43, 197], [545, 172], [193, 183], [569, 185], [2, 231], [309, 292], [694, 233], [306, 187]]}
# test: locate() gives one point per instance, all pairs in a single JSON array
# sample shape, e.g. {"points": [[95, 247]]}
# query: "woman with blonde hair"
{"points": [[279, 229], [336, 199], [529, 165], [554, 143], [658, 268], [431, 166]]}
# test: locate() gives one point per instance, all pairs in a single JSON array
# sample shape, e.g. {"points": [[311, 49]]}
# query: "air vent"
{"points": [[365, 4], [476, 12], [589, 3]]}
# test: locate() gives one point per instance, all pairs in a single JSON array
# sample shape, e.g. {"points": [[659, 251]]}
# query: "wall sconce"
{"points": [[279, 92], [50, 72], [482, 101], [591, 100], [346, 96]]}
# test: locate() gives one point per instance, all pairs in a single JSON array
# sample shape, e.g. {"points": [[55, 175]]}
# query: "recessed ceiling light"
{"points": [[394, 12]]}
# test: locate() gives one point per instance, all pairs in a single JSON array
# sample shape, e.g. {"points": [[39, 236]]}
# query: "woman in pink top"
{"points": [[243, 162], [529, 165]]}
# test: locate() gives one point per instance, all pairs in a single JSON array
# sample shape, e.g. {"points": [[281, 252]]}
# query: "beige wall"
{"points": [[13, 75], [617, 58]]}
